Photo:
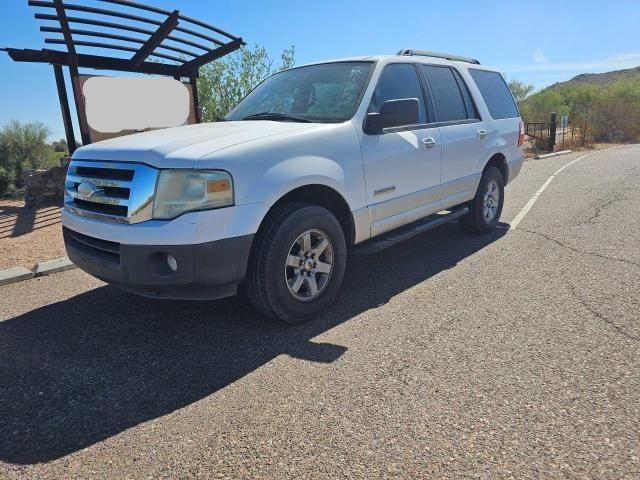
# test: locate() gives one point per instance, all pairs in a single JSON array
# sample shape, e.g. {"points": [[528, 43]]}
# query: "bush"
{"points": [[6, 182], [23, 146]]}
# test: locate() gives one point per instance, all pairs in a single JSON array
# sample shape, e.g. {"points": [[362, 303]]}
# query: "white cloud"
{"points": [[615, 61], [538, 57]]}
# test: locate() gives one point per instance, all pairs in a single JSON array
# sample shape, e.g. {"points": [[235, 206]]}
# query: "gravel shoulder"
{"points": [[29, 235]]}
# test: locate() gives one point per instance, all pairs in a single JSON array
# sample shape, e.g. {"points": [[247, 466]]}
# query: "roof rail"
{"points": [[427, 53]]}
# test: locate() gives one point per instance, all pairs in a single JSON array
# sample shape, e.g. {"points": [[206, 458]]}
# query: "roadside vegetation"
{"points": [[23, 147], [608, 112]]}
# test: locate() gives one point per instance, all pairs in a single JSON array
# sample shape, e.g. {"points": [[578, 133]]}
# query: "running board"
{"points": [[401, 234]]}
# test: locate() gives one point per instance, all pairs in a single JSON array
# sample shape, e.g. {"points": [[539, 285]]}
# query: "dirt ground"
{"points": [[29, 235]]}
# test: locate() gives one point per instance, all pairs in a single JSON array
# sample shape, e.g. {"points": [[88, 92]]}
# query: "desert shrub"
{"points": [[6, 182], [23, 146]]}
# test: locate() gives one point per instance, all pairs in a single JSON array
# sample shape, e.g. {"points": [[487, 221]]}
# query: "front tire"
{"points": [[485, 209], [297, 266]]}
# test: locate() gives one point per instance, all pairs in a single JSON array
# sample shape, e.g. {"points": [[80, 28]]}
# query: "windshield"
{"points": [[328, 92]]}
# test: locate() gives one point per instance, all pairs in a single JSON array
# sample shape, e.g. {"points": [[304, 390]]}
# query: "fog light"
{"points": [[172, 263]]}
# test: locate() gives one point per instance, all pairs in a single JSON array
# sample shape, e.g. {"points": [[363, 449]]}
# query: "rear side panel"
{"points": [[500, 116]]}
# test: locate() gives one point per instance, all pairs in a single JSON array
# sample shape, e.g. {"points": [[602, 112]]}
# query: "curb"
{"points": [[554, 154], [53, 266], [18, 274]]}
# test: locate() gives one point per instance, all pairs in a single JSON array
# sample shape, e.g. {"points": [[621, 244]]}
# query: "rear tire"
{"points": [[297, 264], [486, 207]]}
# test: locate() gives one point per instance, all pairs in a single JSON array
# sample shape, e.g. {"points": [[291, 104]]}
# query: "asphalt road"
{"points": [[510, 355]]}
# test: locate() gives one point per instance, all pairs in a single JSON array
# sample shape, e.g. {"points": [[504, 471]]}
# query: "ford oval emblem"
{"points": [[88, 189]]}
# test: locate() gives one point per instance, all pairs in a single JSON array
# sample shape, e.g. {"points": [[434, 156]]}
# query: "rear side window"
{"points": [[398, 81], [496, 94], [447, 94]]}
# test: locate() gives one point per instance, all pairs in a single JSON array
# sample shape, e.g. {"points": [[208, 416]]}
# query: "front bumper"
{"points": [[206, 271]]}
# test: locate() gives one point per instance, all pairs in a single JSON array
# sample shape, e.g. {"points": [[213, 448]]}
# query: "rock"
{"points": [[44, 186]]}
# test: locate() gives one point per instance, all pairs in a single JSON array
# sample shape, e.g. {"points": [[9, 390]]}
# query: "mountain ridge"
{"points": [[599, 79]]}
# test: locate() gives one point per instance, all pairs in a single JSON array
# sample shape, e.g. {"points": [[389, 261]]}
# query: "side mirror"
{"points": [[394, 113]]}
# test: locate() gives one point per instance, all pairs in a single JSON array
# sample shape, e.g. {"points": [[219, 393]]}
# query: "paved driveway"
{"points": [[510, 355]]}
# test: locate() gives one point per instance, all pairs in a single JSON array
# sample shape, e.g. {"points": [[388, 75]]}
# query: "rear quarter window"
{"points": [[496, 94]]}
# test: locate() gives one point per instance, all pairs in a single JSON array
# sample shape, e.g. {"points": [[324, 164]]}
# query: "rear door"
{"points": [[462, 134], [403, 164]]}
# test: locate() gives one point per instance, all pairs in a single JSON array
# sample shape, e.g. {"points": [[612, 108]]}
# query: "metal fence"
{"points": [[548, 135]]}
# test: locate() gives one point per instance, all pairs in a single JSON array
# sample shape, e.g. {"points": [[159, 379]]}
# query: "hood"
{"points": [[181, 147]]}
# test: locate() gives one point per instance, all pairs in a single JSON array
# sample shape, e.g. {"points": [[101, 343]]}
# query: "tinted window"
{"points": [[446, 93], [397, 81], [328, 92], [496, 94]]}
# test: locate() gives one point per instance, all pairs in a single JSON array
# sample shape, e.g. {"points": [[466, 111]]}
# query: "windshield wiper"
{"points": [[275, 116]]}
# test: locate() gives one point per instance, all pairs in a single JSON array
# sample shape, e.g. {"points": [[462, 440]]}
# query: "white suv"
{"points": [[361, 152]]}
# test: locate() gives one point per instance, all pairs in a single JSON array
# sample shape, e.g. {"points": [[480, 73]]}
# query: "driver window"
{"points": [[398, 81]]}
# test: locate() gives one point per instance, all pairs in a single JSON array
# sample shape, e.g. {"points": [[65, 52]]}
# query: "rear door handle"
{"points": [[428, 142], [482, 133]]}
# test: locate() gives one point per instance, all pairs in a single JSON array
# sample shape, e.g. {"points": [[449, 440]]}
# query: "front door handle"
{"points": [[482, 133], [428, 142]]}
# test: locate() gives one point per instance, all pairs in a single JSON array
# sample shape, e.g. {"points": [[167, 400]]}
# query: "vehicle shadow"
{"points": [[79, 371]]}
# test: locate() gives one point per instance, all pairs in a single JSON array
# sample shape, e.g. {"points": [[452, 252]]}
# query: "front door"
{"points": [[402, 165]]}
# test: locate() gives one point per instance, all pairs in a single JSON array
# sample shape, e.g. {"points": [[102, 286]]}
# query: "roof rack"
{"points": [[428, 53]]}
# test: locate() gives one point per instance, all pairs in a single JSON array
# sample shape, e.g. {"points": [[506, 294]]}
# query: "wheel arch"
{"points": [[499, 161], [320, 195]]}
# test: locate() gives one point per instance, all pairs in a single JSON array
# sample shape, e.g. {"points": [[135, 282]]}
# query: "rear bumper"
{"points": [[514, 168], [206, 271]]}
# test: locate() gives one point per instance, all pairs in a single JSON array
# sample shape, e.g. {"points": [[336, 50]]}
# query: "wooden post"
{"points": [[193, 79], [64, 106]]}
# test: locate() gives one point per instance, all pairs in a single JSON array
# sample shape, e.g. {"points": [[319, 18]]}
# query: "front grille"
{"points": [[110, 191], [96, 247]]}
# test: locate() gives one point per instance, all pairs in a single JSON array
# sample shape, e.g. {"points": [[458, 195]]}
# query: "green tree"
{"points": [[520, 89], [538, 107], [60, 146], [22, 146], [223, 83]]}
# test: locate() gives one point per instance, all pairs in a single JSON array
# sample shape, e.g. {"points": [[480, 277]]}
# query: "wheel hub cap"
{"points": [[309, 265], [491, 201]]}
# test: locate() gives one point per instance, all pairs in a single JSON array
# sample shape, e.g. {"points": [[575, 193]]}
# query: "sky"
{"points": [[539, 42]]}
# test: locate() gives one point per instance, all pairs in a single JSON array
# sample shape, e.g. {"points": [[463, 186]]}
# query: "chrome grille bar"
{"points": [[99, 182], [104, 199]]}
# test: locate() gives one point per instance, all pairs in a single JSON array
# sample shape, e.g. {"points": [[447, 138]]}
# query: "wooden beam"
{"points": [[56, 57], [191, 66], [155, 40]]}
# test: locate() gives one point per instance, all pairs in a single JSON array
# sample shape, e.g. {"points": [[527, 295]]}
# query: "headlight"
{"points": [[181, 191]]}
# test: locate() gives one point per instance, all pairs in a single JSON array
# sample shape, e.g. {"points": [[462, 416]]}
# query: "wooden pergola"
{"points": [[180, 45]]}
